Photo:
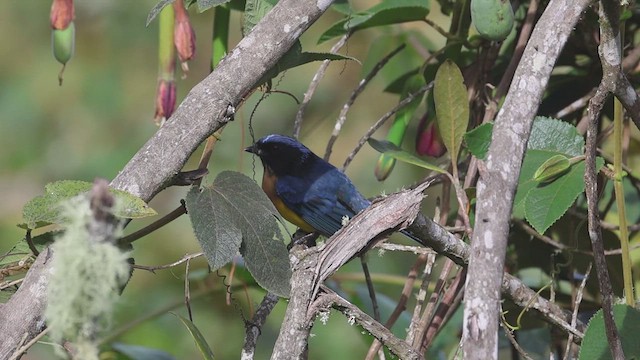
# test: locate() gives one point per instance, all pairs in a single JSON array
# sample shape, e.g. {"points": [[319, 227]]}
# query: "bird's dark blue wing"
{"points": [[324, 201]]}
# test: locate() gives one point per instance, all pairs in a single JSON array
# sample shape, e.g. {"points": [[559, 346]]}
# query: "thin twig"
{"points": [[576, 307], [595, 233], [405, 295], [560, 246], [509, 333], [18, 353], [179, 211], [313, 85], [167, 266], [253, 328], [342, 118], [187, 290], [382, 120], [9, 284], [370, 288], [356, 316]]}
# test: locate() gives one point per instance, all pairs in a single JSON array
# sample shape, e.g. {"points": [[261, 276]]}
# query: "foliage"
{"points": [[595, 344], [233, 216]]}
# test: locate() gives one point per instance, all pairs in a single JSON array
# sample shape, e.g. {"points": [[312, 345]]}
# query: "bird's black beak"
{"points": [[252, 149]]}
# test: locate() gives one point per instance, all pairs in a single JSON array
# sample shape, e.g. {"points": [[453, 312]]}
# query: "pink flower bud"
{"points": [[184, 36], [428, 141], [165, 100], [62, 13]]}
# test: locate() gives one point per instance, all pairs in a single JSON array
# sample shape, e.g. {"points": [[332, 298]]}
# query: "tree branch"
{"points": [[207, 107], [497, 184]]}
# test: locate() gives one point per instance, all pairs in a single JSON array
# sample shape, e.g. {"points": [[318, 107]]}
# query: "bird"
{"points": [[307, 190]]}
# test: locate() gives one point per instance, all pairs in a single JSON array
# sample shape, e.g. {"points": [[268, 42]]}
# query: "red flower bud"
{"points": [[62, 13], [165, 100], [428, 141], [184, 36]]}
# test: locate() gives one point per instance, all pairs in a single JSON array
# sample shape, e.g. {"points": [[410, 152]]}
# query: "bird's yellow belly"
{"points": [[269, 187]]}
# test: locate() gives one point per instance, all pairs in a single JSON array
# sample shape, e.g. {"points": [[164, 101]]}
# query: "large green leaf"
{"points": [[397, 153], [385, 13], [452, 106], [555, 135], [544, 203], [45, 209], [201, 343], [595, 345], [234, 211], [479, 139]]}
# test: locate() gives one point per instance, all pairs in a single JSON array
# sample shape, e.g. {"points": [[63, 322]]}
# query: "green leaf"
{"points": [[595, 345], [546, 203], [204, 5], [452, 106], [555, 135], [397, 153], [552, 168], [234, 211], [201, 343], [479, 139], [45, 209], [385, 13], [20, 251], [135, 352], [295, 57], [254, 11], [156, 10]]}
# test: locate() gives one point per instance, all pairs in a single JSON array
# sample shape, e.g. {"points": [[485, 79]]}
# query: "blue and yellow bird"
{"points": [[307, 190]]}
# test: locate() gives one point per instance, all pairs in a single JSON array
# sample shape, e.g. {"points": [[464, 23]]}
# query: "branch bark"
{"points": [[313, 266], [207, 107], [498, 182]]}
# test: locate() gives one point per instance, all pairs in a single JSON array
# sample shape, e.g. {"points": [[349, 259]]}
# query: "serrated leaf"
{"points": [[386, 12], [546, 203], [201, 343], [156, 10], [204, 5], [21, 250], [478, 140], [295, 57], [234, 211], [135, 352], [397, 153], [595, 345], [214, 226], [552, 168], [452, 107], [45, 209], [254, 11], [555, 135]]}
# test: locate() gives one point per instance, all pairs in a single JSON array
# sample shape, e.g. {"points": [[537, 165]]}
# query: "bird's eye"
{"points": [[276, 147]]}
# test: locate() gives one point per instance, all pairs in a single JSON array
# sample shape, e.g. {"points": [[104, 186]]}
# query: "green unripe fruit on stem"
{"points": [[63, 42], [492, 18]]}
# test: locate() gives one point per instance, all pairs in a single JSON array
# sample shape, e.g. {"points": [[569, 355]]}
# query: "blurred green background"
{"points": [[93, 124]]}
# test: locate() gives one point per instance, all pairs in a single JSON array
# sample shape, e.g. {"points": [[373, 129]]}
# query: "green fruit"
{"points": [[492, 18], [63, 42], [552, 168]]}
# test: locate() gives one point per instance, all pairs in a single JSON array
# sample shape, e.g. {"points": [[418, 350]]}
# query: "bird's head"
{"points": [[281, 154]]}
